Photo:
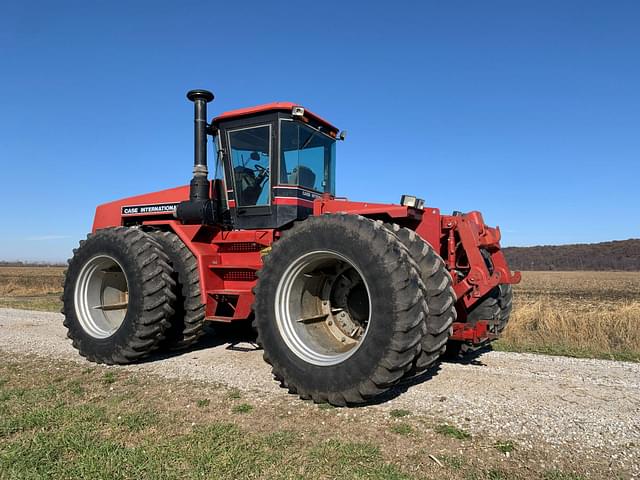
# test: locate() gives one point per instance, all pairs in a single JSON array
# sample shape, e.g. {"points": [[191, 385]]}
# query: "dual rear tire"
{"points": [[128, 292]]}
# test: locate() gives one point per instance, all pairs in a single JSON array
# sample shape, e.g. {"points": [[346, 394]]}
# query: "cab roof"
{"points": [[271, 107]]}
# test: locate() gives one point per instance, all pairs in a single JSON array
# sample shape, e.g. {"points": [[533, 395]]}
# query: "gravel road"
{"points": [[556, 403]]}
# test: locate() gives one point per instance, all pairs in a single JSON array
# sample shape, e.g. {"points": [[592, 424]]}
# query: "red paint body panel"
{"points": [[270, 107], [229, 260], [475, 334], [110, 214]]}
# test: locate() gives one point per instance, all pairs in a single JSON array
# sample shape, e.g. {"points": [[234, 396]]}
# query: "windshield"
{"points": [[307, 157]]}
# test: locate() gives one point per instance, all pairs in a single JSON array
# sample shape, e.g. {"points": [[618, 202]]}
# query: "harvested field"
{"points": [[582, 314], [31, 288]]}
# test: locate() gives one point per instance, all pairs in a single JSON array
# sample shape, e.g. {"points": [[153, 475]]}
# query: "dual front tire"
{"points": [[343, 312]]}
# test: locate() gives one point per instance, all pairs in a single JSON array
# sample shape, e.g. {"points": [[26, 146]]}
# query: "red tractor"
{"points": [[347, 298]]}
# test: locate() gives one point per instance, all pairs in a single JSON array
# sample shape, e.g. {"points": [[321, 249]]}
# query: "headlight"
{"points": [[408, 201], [411, 201]]}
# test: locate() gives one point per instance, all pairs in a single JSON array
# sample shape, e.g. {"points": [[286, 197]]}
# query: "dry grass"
{"points": [[33, 288], [586, 314]]}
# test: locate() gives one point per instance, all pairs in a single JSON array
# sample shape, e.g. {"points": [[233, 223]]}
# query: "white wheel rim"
{"points": [[323, 317], [101, 296]]}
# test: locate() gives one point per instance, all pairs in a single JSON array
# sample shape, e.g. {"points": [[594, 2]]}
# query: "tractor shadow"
{"points": [[237, 336], [401, 387], [470, 358], [240, 337]]}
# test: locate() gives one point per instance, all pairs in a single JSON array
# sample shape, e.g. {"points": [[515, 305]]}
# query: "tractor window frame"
{"points": [[329, 182], [228, 132]]}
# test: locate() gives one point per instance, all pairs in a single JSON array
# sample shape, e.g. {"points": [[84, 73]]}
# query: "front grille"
{"points": [[240, 247], [240, 275]]}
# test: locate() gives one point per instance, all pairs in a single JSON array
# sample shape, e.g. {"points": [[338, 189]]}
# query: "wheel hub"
{"points": [[101, 296], [323, 308]]}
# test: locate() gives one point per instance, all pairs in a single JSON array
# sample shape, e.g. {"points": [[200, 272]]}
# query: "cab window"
{"points": [[250, 160]]}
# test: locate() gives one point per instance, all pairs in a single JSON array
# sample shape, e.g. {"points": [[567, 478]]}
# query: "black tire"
{"points": [[396, 314], [187, 322], [440, 297], [505, 301], [150, 295], [495, 306]]}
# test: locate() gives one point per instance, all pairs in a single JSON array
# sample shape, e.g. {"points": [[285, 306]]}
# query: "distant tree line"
{"points": [[616, 255], [5, 263]]}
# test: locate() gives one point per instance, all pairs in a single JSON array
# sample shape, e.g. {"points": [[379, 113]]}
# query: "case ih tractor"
{"points": [[347, 298]]}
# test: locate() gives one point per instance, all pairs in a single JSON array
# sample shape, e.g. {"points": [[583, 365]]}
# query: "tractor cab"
{"points": [[277, 158]]}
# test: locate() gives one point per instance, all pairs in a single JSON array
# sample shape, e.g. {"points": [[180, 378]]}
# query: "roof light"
{"points": [[297, 111]]}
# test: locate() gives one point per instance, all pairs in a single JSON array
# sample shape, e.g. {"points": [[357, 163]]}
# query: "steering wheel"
{"points": [[262, 176]]}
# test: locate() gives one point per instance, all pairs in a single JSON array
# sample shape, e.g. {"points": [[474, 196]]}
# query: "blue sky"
{"points": [[528, 111]]}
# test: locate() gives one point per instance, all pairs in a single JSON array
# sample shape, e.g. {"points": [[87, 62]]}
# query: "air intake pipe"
{"points": [[199, 208]]}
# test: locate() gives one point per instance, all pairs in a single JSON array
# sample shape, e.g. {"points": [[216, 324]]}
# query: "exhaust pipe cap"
{"points": [[205, 95]]}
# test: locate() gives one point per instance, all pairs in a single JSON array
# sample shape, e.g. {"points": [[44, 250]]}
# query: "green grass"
{"points": [[234, 394], [336, 459], [99, 424], [453, 432], [560, 475], [505, 447], [47, 432], [242, 408], [66, 442], [137, 421], [402, 429], [453, 461], [399, 413], [76, 388], [493, 474]]}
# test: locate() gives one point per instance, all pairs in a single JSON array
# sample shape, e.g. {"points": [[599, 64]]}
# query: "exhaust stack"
{"points": [[200, 181], [199, 208]]}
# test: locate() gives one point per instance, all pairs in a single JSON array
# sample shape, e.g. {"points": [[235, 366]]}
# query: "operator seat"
{"points": [[249, 189], [303, 176]]}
